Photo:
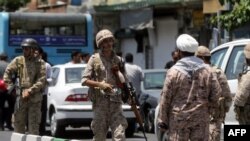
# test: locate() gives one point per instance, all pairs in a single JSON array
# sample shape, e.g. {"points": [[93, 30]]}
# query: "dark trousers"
{"points": [[42, 128], [6, 112], [2, 100]]}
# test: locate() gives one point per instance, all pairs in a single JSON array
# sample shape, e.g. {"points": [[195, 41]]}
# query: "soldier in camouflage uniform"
{"points": [[107, 105], [189, 93], [225, 99], [242, 97], [30, 78]]}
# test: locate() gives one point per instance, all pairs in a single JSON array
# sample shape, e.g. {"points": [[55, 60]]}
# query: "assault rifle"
{"points": [[129, 96], [17, 85], [132, 100]]}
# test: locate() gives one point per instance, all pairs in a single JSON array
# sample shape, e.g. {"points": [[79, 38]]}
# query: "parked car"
{"points": [[68, 102], [151, 87], [230, 58]]}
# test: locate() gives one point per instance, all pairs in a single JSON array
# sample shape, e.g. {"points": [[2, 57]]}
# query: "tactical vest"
{"points": [[21, 74], [94, 92]]}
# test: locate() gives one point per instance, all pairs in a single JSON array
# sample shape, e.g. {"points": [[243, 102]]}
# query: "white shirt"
{"points": [[48, 75], [134, 74]]}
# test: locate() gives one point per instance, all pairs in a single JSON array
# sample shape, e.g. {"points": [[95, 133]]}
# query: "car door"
{"points": [[234, 66], [54, 79], [230, 59]]}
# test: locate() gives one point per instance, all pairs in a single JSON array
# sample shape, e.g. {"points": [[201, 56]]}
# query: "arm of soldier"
{"points": [[226, 93], [165, 100], [215, 91], [10, 71], [40, 81], [243, 90]]}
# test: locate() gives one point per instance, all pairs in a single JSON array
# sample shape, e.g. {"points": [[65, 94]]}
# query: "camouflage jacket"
{"points": [[242, 94], [32, 73], [99, 69], [226, 93], [190, 91]]}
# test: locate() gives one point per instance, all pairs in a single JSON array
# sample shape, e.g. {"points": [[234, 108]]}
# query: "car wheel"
{"points": [[149, 123], [55, 129], [130, 129]]}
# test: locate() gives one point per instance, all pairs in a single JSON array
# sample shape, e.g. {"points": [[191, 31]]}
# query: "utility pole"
{"points": [[219, 27], [227, 34]]}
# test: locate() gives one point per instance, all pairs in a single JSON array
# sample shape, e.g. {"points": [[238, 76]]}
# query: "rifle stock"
{"points": [[130, 94], [128, 88], [18, 85]]}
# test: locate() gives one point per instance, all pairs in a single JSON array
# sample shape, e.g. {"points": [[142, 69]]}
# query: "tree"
{"points": [[12, 5], [239, 15]]}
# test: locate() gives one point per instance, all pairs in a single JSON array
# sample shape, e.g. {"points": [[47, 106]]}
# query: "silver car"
{"points": [[151, 87], [69, 104]]}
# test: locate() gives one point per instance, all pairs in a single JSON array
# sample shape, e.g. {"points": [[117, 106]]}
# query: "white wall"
{"points": [[166, 33], [129, 45]]}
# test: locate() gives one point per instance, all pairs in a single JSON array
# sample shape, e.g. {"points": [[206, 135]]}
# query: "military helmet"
{"points": [[29, 42], [202, 51], [103, 34], [247, 51]]}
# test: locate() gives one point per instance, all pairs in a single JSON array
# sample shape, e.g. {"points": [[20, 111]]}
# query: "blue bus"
{"points": [[58, 34]]}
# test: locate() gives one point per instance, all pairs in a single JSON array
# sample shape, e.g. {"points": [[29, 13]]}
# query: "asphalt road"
{"points": [[85, 135]]}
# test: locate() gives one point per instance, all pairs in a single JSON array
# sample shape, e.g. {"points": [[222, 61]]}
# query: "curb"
{"points": [[24, 137]]}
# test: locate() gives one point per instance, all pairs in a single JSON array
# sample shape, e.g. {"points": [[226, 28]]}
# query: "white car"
{"points": [[230, 58], [151, 87], [68, 102]]}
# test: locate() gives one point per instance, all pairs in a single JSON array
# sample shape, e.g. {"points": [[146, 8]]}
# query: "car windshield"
{"points": [[154, 80], [73, 75]]}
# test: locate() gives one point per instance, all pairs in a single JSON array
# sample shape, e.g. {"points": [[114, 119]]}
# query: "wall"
{"points": [[129, 45], [166, 32]]}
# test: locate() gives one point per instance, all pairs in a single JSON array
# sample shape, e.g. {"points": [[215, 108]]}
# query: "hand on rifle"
{"points": [[25, 93], [105, 86]]}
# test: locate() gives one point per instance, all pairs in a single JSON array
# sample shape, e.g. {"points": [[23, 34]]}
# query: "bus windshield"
{"points": [[48, 29], [59, 34]]}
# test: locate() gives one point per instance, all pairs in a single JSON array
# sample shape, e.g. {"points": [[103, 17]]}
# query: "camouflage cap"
{"points": [[103, 34], [202, 51], [247, 51]]}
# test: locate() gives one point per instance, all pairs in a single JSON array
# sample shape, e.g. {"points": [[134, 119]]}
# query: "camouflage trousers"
{"points": [[29, 110], [215, 130], [199, 132], [243, 116], [108, 114]]}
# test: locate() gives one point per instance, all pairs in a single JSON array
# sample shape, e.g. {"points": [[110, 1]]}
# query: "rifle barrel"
{"points": [[138, 118]]}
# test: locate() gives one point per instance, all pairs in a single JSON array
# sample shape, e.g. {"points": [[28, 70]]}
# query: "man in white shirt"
{"points": [[43, 55], [134, 73], [75, 57]]}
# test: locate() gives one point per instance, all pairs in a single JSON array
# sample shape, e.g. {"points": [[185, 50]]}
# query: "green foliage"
{"points": [[239, 15], [12, 5]]}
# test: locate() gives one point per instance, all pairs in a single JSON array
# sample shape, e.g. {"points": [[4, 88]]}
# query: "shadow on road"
{"points": [[86, 134]]}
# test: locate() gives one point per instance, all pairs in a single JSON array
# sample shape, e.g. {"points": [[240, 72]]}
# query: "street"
{"points": [[85, 135]]}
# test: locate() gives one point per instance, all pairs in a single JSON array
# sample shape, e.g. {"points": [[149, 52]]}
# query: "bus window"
{"points": [[57, 33]]}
